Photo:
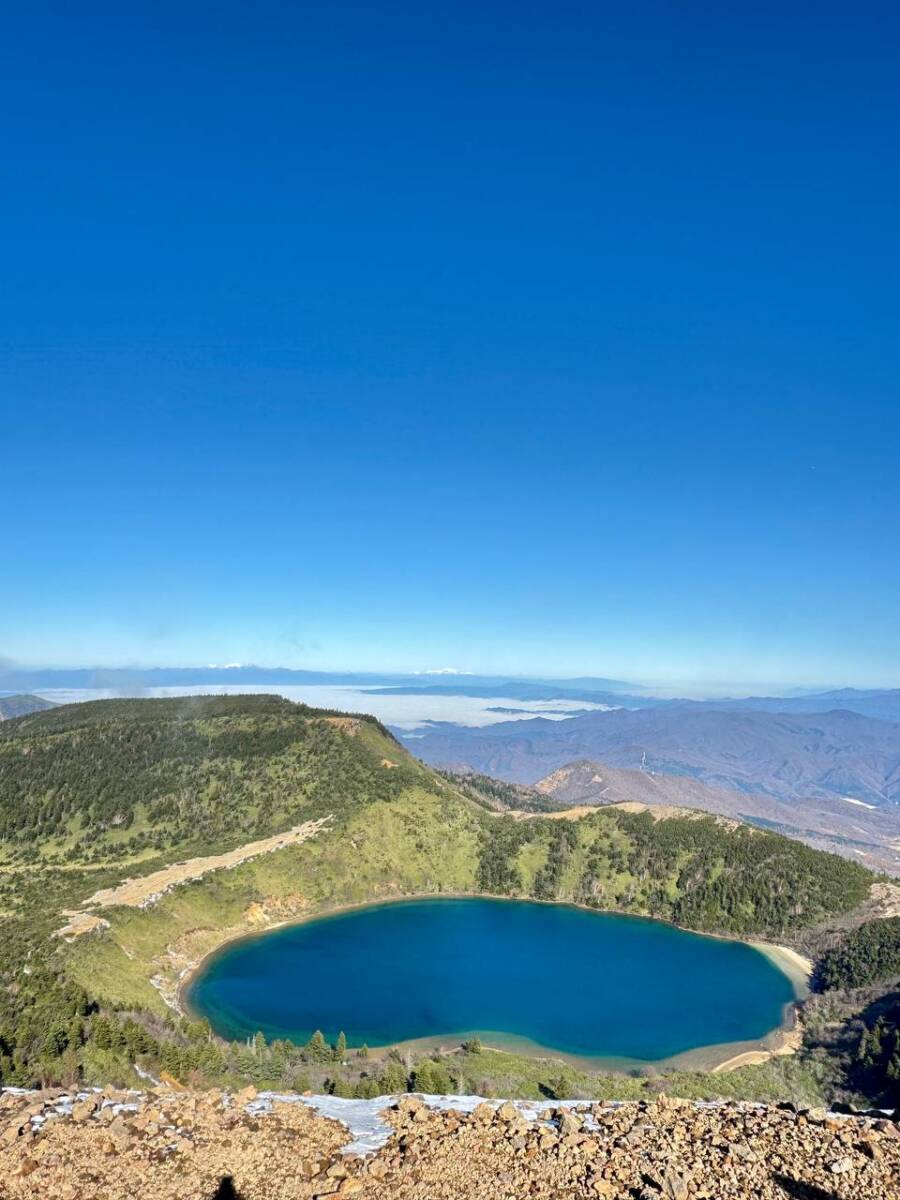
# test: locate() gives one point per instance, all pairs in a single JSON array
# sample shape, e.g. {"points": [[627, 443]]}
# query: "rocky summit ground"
{"points": [[182, 1146]]}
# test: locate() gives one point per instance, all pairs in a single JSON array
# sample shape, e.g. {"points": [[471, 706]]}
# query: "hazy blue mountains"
{"points": [[836, 753]]}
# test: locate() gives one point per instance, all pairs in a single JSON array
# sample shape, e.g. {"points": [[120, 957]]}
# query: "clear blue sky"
{"points": [[541, 338]]}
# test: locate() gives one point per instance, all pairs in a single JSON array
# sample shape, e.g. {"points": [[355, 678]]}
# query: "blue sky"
{"points": [[552, 339]]}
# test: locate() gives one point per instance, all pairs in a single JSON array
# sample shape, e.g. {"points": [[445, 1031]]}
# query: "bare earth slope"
{"points": [[147, 889]]}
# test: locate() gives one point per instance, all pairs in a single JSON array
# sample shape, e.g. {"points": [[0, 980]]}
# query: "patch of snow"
{"points": [[860, 803], [365, 1118], [142, 1074]]}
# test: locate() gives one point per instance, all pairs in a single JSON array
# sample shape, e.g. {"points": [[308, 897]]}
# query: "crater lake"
{"points": [[520, 974]]}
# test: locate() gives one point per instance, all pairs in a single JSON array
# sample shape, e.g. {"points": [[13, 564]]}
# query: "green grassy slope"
{"points": [[92, 793]]}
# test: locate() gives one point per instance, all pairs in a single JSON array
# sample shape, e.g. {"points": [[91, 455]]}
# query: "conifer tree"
{"points": [[317, 1047]]}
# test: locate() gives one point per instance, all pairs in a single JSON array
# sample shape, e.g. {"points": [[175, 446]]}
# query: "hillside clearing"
{"points": [[142, 892]]}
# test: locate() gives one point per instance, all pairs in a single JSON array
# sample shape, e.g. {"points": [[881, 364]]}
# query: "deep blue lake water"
{"points": [[587, 984]]}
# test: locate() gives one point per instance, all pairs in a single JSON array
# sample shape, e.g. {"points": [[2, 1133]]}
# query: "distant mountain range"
{"points": [[522, 689], [21, 706], [838, 753], [883, 703], [131, 679]]}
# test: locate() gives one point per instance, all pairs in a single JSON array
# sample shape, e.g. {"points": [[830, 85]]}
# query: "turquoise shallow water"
{"points": [[587, 984]]}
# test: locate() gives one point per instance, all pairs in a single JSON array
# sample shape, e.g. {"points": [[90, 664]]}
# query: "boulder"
{"points": [[569, 1122], [674, 1186], [83, 1109]]}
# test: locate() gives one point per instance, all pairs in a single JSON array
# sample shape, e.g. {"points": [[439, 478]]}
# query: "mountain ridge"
{"points": [[785, 755], [862, 832], [881, 703], [21, 704]]}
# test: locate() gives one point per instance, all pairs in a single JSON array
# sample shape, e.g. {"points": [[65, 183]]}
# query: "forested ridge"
{"points": [[91, 793], [111, 779], [869, 953], [497, 795], [693, 870], [858, 986]]}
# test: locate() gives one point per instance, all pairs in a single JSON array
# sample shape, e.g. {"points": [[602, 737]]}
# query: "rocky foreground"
{"points": [[183, 1146]]}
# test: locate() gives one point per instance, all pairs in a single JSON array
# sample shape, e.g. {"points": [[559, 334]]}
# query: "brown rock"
{"points": [[11, 1134], [120, 1130], [84, 1109], [674, 1186], [569, 1122]]}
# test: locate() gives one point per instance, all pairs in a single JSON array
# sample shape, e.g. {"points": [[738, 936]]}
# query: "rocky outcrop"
{"points": [[668, 1150], [177, 1145]]}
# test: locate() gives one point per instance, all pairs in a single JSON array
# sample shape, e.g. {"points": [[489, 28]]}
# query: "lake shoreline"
{"points": [[783, 1039]]}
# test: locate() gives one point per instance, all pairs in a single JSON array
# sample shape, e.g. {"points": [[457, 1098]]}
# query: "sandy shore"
{"points": [[796, 966]]}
